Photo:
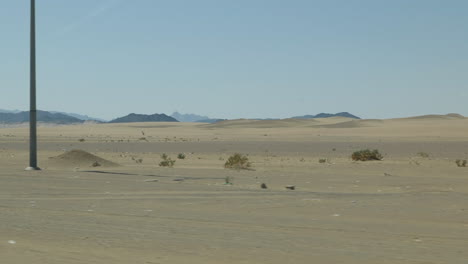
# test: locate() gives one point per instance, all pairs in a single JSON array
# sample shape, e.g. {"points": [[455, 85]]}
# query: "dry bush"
{"points": [[461, 163], [366, 154], [423, 154], [166, 161], [238, 161], [228, 180]]}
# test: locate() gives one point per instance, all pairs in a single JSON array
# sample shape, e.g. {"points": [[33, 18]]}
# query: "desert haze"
{"points": [[102, 197]]}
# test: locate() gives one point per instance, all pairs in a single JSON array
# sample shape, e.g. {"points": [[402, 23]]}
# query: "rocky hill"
{"points": [[132, 118]]}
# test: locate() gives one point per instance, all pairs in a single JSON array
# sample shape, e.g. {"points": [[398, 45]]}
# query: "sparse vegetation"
{"points": [[423, 154], [96, 164], [461, 163], [322, 160], [366, 154], [81, 140], [166, 161], [237, 161], [181, 156]]}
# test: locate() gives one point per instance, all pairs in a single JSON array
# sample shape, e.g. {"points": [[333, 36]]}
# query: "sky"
{"points": [[238, 59]]}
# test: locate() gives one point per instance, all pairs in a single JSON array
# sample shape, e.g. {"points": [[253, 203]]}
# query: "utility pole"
{"points": [[33, 110]]}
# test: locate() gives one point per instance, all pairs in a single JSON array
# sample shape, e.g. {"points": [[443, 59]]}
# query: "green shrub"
{"points": [[322, 160], [366, 154], [181, 156], [166, 161], [237, 161]]}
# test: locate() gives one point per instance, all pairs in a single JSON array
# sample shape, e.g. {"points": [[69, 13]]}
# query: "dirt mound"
{"points": [[80, 158]]}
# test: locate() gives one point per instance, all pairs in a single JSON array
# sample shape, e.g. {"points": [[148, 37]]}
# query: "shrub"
{"points": [[366, 154], [237, 161], [166, 161], [423, 154], [228, 180], [181, 156], [81, 140], [322, 160], [461, 163]]}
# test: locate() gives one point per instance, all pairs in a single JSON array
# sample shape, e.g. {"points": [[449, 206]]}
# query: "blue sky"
{"points": [[237, 59]]}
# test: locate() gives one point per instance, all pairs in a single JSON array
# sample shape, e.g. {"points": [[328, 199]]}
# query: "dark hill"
{"points": [[42, 116], [132, 118], [325, 115]]}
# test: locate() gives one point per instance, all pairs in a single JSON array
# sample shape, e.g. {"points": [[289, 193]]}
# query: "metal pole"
{"points": [[32, 110]]}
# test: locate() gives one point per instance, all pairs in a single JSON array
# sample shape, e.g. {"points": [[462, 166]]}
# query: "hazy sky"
{"points": [[239, 58]]}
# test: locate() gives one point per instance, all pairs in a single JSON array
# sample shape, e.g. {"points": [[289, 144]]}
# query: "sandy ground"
{"points": [[403, 209]]}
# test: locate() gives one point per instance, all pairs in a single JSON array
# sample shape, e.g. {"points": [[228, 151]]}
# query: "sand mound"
{"points": [[354, 124], [435, 117], [80, 158], [251, 123]]}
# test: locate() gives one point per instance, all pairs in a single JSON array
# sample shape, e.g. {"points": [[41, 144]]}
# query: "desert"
{"points": [[409, 207]]}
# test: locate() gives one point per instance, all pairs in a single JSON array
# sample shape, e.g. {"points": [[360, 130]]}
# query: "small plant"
{"points": [[237, 161], [366, 154], [181, 156], [96, 164], [322, 160], [228, 180], [81, 140], [139, 161], [423, 154], [166, 161], [461, 163]]}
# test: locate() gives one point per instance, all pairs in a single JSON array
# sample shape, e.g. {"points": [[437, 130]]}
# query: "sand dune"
{"points": [[354, 123], [433, 117], [250, 123]]}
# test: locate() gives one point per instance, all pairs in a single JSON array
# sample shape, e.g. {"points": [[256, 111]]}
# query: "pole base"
{"points": [[32, 169]]}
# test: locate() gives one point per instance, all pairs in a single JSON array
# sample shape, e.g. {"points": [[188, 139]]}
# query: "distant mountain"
{"points": [[210, 120], [132, 118], [188, 117], [82, 117], [42, 116], [9, 111], [325, 115]]}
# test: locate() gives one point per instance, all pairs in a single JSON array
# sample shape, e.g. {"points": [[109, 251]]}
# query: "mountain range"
{"points": [[325, 115], [42, 116], [15, 116], [188, 117]]}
